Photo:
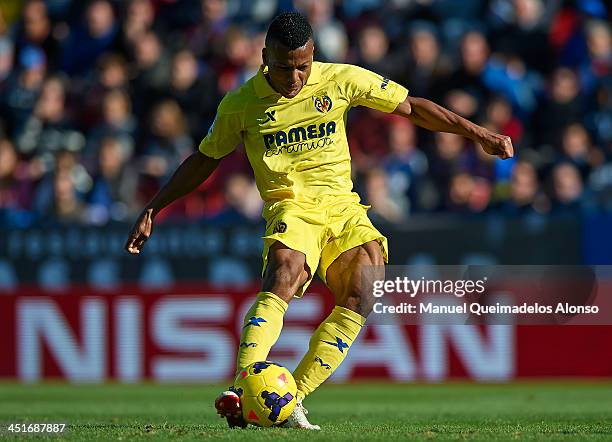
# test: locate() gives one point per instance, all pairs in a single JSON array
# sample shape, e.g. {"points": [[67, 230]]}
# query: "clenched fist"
{"points": [[496, 144]]}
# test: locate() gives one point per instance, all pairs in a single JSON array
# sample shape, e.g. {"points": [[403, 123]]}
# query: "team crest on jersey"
{"points": [[322, 104]]}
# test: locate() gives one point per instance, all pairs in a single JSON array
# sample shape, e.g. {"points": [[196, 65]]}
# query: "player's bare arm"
{"points": [[429, 115], [190, 174]]}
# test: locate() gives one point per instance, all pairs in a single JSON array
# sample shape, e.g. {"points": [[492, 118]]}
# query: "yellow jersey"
{"points": [[297, 147]]}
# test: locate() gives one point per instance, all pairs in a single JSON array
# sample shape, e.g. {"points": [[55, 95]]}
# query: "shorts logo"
{"points": [[384, 83], [280, 227], [322, 104]]}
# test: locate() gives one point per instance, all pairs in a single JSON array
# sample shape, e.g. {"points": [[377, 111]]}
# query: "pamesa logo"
{"points": [[300, 138]]}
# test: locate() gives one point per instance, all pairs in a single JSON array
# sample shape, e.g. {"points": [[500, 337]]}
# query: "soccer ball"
{"points": [[267, 393]]}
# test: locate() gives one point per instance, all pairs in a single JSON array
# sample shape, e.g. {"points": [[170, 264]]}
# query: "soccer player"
{"points": [[291, 119]]}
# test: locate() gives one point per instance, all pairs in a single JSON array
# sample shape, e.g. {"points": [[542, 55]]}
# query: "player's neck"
{"points": [[267, 77]]}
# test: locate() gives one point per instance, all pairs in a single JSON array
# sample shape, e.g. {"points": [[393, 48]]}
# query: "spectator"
{"points": [[523, 31], [428, 69], [462, 103], [117, 122], [598, 65], [99, 33], [153, 70], [368, 139], [448, 158], [23, 88], [253, 61], [578, 150], [139, 19], [112, 74], [35, 29], [66, 207], [406, 165], [194, 88], [243, 197], [243, 200], [468, 194], [568, 191], [468, 76], [206, 39], [501, 120], [49, 129], [384, 206], [563, 107], [67, 161], [236, 54], [15, 186], [525, 199], [331, 42], [373, 53], [169, 142], [113, 192], [60, 192]]}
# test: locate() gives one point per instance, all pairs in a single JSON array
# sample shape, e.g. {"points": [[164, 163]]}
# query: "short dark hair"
{"points": [[291, 29]]}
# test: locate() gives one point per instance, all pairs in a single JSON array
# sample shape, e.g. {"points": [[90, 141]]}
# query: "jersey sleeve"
{"points": [[224, 133], [366, 88]]}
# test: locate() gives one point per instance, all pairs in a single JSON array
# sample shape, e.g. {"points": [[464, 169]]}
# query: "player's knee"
{"points": [[358, 297], [285, 275], [374, 254], [359, 301]]}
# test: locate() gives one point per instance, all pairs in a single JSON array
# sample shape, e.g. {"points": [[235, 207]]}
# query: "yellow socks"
{"points": [[262, 326], [328, 347]]}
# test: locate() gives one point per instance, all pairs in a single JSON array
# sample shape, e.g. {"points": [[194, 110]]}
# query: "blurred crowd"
{"points": [[101, 100]]}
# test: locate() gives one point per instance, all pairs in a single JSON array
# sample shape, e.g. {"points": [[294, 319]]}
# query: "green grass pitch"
{"points": [[572, 411]]}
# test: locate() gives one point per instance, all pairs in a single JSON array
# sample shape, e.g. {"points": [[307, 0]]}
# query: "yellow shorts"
{"points": [[322, 229]]}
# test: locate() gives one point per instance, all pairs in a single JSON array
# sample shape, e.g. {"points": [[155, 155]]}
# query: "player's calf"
{"points": [[334, 337]]}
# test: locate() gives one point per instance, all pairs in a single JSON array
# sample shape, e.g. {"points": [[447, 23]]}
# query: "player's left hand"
{"points": [[498, 145]]}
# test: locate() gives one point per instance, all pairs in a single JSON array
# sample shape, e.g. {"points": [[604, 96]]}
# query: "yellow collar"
{"points": [[263, 88]]}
